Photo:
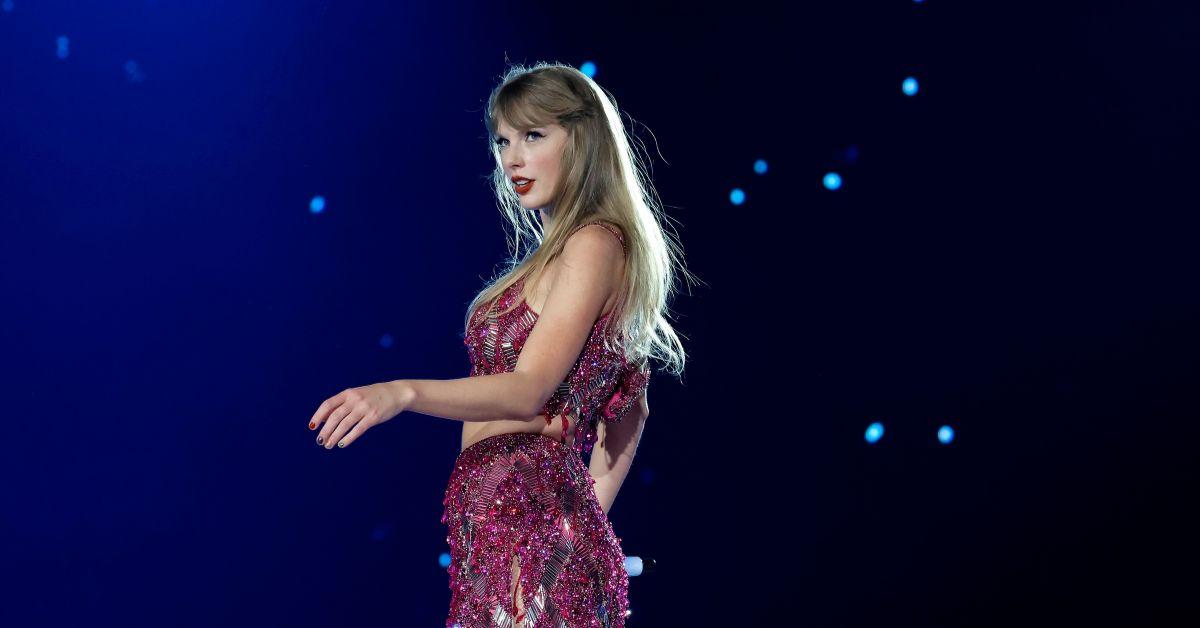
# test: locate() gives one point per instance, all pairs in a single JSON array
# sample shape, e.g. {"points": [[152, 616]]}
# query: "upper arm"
{"points": [[588, 271]]}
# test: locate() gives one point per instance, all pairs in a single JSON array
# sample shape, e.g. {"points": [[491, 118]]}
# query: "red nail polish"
{"points": [[312, 426]]}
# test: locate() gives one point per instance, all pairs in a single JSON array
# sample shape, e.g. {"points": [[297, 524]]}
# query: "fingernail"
{"points": [[320, 440], [312, 426], [342, 444]]}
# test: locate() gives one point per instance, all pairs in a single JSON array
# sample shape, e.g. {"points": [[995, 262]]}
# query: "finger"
{"points": [[361, 426], [344, 426], [324, 409], [331, 424]]}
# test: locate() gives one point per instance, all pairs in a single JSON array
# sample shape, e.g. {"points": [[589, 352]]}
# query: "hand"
{"points": [[356, 410]]}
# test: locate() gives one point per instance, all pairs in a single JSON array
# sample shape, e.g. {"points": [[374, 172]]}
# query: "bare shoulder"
{"points": [[600, 229], [614, 230], [594, 244]]}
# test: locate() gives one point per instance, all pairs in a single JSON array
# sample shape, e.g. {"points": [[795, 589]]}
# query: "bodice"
{"points": [[601, 385]]}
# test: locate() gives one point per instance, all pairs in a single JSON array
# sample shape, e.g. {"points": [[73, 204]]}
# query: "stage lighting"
{"points": [[874, 432], [832, 181], [133, 72], [633, 565]]}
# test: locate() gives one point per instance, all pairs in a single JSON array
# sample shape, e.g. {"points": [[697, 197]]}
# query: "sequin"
{"points": [[528, 494], [601, 384], [532, 495]]}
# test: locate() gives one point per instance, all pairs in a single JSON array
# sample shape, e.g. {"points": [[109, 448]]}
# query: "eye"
{"points": [[501, 139]]}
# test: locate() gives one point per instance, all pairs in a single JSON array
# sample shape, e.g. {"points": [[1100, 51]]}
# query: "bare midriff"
{"points": [[476, 431]]}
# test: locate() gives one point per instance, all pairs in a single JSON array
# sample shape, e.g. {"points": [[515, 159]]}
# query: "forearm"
{"points": [[612, 457], [497, 397]]}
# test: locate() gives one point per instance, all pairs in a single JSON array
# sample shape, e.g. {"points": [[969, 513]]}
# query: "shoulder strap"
{"points": [[611, 229]]}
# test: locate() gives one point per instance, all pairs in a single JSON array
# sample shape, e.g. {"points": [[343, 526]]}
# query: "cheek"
{"points": [[552, 164]]}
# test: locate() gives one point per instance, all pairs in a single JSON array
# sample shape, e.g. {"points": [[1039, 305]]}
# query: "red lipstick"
{"points": [[522, 188]]}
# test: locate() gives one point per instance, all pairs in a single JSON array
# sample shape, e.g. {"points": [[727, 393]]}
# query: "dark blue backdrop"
{"points": [[1012, 253]]}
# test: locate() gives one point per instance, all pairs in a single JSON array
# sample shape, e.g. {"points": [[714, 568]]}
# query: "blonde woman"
{"points": [[559, 346]]}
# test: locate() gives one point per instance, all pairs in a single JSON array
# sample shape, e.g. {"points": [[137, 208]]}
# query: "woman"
{"points": [[559, 346]]}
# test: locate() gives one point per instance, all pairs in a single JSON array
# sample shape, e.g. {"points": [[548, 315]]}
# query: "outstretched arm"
{"points": [[590, 264], [344, 417], [612, 455], [497, 397]]}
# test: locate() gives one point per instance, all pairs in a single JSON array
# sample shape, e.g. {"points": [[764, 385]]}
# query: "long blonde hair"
{"points": [[603, 179]]}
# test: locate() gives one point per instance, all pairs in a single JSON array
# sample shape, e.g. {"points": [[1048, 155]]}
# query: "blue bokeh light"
{"points": [[832, 181], [910, 86], [444, 559], [7, 6], [946, 434], [647, 475], [386, 341], [588, 68], [382, 531], [317, 204], [64, 46], [133, 72], [874, 432], [633, 565], [737, 196], [760, 166]]}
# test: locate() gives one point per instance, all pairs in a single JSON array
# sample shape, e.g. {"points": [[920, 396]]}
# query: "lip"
{"points": [[522, 189]]}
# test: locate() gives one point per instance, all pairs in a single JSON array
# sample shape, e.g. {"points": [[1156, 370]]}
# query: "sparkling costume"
{"points": [[531, 495]]}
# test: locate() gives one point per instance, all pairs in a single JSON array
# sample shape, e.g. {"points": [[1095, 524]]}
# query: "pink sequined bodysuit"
{"points": [[531, 495]]}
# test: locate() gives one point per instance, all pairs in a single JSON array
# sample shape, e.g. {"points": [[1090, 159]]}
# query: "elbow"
{"points": [[532, 399], [529, 411]]}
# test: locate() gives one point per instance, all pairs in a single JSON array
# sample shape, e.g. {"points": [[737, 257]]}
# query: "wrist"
{"points": [[404, 394]]}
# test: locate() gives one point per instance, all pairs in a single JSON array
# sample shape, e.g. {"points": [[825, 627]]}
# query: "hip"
{"points": [[524, 503], [526, 468], [548, 457]]}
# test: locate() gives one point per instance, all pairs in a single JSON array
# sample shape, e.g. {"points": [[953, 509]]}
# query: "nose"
{"points": [[511, 161]]}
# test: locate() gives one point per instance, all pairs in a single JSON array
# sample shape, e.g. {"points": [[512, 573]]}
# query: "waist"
{"points": [[511, 440], [555, 429], [541, 451]]}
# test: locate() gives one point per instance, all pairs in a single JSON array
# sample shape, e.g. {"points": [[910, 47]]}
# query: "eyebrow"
{"points": [[497, 134]]}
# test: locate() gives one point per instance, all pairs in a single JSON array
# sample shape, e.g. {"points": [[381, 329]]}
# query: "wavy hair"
{"points": [[603, 179]]}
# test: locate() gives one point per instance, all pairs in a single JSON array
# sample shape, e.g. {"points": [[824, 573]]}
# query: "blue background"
{"points": [[1011, 252]]}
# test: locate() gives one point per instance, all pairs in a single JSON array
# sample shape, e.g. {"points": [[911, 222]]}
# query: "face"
{"points": [[535, 154]]}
